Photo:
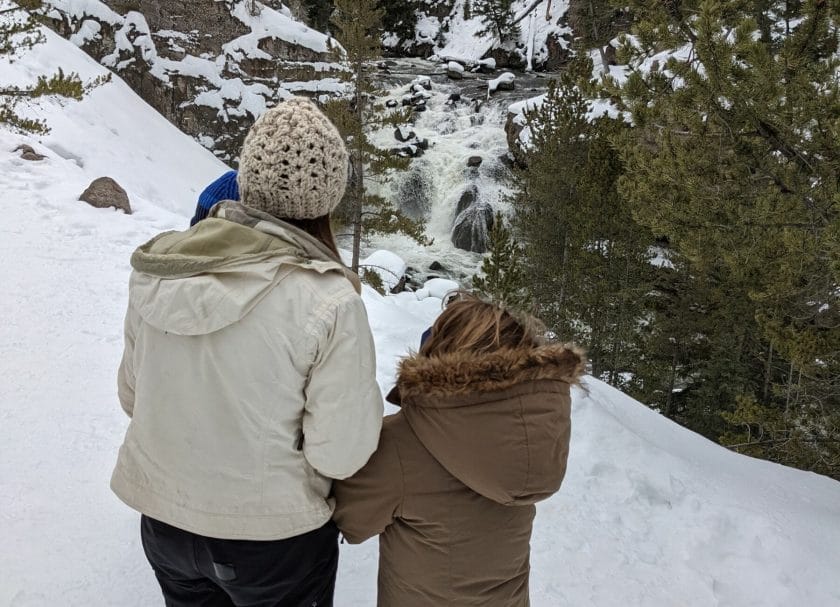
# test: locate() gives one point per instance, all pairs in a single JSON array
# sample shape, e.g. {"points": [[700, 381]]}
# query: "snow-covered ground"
{"points": [[650, 514]]}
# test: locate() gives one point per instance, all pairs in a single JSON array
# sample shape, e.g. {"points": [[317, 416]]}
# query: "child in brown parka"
{"points": [[482, 435]]}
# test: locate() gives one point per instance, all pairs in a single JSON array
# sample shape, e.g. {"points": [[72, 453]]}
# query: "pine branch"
{"points": [[15, 92], [776, 441]]}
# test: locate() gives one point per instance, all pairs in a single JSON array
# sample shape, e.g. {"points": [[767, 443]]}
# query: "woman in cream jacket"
{"points": [[249, 378]]}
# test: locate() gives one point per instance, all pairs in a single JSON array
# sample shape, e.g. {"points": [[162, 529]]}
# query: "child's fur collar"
{"points": [[466, 373]]}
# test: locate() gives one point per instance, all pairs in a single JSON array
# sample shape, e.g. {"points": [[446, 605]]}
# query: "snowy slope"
{"points": [[112, 132], [650, 514]]}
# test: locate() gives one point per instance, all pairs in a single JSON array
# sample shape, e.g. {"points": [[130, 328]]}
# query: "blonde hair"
{"points": [[470, 324]]}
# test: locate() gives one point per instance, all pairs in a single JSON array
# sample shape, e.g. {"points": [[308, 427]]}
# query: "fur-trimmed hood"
{"points": [[500, 422], [465, 374]]}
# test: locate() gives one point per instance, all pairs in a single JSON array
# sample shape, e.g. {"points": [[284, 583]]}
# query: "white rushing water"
{"points": [[435, 183]]}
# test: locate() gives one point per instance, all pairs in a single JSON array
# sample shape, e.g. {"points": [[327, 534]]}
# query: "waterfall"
{"points": [[459, 181]]}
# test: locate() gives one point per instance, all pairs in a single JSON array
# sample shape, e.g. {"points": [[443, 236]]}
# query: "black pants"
{"points": [[198, 571]]}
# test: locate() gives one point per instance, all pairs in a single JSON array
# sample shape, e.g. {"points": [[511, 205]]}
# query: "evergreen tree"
{"points": [[318, 13], [358, 25], [498, 17], [400, 17], [735, 157], [502, 277], [18, 32], [595, 22], [586, 259]]}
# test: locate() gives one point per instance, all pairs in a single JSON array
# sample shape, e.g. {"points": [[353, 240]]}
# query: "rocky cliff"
{"points": [[210, 66]]}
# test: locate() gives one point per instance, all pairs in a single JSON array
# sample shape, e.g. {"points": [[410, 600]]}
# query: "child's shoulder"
{"points": [[395, 424]]}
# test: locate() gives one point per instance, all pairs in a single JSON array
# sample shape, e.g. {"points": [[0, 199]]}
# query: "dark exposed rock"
{"points": [[467, 199], [408, 151], [423, 144], [400, 286], [484, 67], [474, 161], [506, 85], [472, 228], [454, 72], [104, 193], [507, 160], [454, 98], [436, 266], [415, 194], [392, 103], [610, 55], [402, 136], [28, 153], [507, 58], [559, 53]]}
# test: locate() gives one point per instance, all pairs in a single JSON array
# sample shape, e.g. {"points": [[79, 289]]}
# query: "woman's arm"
{"points": [[371, 499], [125, 375], [343, 411]]}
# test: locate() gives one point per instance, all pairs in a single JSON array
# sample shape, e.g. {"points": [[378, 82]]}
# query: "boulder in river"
{"points": [[472, 228], [455, 70]]}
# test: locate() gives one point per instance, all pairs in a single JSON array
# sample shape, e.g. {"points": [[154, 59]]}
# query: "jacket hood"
{"points": [[201, 280], [499, 422]]}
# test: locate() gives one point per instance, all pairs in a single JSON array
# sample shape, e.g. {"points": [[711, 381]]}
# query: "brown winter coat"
{"points": [[452, 486]]}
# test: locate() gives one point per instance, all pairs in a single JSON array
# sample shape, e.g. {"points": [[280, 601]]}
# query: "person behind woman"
{"points": [[249, 378], [482, 435], [224, 188]]}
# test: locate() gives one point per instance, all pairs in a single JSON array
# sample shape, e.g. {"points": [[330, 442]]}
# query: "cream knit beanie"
{"points": [[293, 163]]}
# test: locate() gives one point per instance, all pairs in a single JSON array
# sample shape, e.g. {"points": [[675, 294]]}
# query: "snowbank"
{"points": [[440, 287], [389, 266]]}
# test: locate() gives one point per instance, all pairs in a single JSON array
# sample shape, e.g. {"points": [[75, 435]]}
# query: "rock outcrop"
{"points": [[209, 66], [106, 193], [28, 153]]}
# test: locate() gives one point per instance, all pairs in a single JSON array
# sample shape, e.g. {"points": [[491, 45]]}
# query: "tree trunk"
{"points": [[789, 389], [767, 372], [358, 198], [359, 167], [669, 398]]}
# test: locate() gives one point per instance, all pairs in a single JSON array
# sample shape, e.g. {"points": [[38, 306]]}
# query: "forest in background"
{"points": [[691, 238]]}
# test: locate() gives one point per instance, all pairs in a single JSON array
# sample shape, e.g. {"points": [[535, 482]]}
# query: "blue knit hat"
{"points": [[224, 188]]}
